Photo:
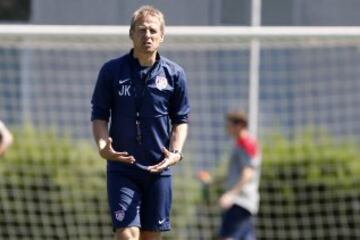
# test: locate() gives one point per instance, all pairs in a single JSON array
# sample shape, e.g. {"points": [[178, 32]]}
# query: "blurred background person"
{"points": [[240, 200]]}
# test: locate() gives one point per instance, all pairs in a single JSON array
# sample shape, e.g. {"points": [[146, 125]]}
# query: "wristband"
{"points": [[180, 153]]}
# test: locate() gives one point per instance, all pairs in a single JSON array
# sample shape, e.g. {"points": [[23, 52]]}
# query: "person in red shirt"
{"points": [[240, 201]]}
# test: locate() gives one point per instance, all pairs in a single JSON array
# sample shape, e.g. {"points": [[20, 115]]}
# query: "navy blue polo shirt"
{"points": [[156, 97]]}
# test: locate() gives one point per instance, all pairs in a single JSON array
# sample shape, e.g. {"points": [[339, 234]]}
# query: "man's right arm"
{"points": [[100, 133], [104, 143]]}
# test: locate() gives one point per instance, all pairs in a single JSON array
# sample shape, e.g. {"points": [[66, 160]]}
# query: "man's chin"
{"points": [[149, 50]]}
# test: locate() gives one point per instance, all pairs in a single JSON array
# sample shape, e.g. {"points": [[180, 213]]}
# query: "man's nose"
{"points": [[147, 33]]}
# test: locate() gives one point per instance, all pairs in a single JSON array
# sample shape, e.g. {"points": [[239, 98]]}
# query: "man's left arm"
{"points": [[174, 154], [177, 141], [251, 161], [178, 112], [179, 115], [227, 199]]}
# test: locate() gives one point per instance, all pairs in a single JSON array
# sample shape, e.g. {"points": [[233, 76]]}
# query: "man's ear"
{"points": [[131, 34]]}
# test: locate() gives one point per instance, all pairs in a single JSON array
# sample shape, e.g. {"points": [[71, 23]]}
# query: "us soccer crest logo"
{"points": [[161, 82], [119, 215]]}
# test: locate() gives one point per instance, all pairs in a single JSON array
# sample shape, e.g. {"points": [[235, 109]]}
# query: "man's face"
{"points": [[146, 34], [232, 129]]}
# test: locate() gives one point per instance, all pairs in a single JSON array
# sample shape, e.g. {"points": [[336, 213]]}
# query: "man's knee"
{"points": [[130, 233], [147, 235]]}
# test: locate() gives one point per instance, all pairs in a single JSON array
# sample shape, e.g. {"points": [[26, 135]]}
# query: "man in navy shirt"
{"points": [[145, 96]]}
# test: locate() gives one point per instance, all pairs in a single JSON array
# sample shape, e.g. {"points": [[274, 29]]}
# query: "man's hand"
{"points": [[169, 160], [204, 177], [227, 200], [107, 152]]}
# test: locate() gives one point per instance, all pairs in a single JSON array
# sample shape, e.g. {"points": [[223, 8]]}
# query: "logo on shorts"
{"points": [[162, 221], [161, 82], [119, 215]]}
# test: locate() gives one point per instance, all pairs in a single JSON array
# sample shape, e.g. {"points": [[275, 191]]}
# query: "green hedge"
{"points": [[52, 188], [55, 188], [310, 188]]}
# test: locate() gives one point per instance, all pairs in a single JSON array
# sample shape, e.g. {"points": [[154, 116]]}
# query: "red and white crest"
{"points": [[119, 215], [161, 82]]}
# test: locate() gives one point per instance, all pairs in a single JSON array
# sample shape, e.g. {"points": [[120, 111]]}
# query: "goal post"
{"points": [[308, 124]]}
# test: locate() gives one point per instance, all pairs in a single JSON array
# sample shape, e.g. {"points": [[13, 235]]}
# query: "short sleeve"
{"points": [[179, 104], [249, 149], [102, 96]]}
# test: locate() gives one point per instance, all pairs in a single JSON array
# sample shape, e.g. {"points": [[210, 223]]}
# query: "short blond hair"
{"points": [[147, 10]]}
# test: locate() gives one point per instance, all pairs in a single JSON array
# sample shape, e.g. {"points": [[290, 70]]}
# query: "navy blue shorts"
{"points": [[139, 199], [237, 224]]}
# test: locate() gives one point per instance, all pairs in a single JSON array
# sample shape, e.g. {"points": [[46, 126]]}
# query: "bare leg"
{"points": [[130, 233], [147, 235]]}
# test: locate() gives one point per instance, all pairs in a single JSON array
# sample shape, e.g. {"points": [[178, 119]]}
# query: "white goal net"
{"points": [[52, 182]]}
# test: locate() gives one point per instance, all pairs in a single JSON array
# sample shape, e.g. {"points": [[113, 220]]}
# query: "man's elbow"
{"points": [[183, 127]]}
